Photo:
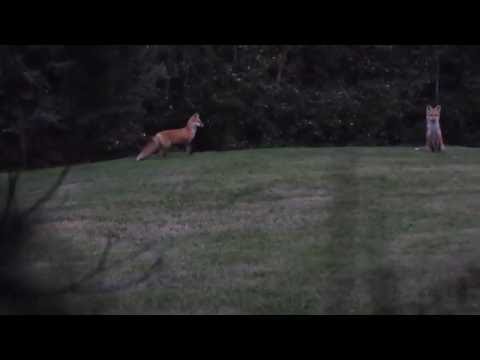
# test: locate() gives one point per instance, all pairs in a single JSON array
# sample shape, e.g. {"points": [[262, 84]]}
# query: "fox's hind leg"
{"points": [[188, 149], [162, 151], [439, 142]]}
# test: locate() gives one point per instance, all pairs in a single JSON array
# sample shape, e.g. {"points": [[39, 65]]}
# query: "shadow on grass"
{"points": [[357, 246], [342, 225], [22, 292]]}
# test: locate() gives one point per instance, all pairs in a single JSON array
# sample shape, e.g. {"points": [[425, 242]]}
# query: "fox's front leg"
{"points": [[188, 149], [428, 141], [442, 145]]}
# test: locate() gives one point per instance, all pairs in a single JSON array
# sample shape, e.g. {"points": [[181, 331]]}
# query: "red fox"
{"points": [[434, 140], [163, 140], [433, 137]]}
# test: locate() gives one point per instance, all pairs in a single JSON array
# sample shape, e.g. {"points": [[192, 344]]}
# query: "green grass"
{"points": [[273, 231]]}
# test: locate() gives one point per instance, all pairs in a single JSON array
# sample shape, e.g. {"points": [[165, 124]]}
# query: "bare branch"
{"points": [[49, 193]]}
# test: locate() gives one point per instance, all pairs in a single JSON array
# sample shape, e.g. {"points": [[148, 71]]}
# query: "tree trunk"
{"points": [[169, 64], [437, 79], [22, 139], [282, 59]]}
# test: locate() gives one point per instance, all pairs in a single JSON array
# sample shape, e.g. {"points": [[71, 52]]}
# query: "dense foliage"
{"points": [[84, 103]]}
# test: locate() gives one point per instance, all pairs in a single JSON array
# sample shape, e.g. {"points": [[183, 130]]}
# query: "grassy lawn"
{"points": [[353, 230]]}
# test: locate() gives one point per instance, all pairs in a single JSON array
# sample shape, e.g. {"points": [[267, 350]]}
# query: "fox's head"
{"points": [[195, 121], [433, 114]]}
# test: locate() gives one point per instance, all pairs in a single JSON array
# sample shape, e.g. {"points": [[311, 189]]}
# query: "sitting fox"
{"points": [[163, 140], [434, 139]]}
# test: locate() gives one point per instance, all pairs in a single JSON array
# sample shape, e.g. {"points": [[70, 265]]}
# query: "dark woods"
{"points": [[85, 103]]}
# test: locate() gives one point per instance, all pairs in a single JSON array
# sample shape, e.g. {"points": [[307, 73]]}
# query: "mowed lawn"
{"points": [[347, 230]]}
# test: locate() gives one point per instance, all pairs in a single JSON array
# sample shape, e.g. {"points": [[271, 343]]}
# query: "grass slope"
{"points": [[271, 231]]}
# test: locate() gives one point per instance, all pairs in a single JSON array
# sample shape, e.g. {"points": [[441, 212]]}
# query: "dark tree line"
{"points": [[83, 103]]}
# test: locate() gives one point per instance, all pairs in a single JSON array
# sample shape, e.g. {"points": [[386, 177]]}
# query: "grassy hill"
{"points": [[284, 231]]}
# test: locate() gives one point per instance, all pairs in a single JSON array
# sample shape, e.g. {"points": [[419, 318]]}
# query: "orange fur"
{"points": [[434, 139], [163, 140]]}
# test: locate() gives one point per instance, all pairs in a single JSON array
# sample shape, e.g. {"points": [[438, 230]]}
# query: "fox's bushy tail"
{"points": [[148, 150]]}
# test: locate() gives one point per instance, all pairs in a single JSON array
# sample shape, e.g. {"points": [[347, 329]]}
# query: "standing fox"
{"points": [[434, 140], [163, 140]]}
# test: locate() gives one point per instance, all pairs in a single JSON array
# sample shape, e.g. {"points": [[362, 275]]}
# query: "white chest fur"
{"points": [[193, 130], [433, 126]]}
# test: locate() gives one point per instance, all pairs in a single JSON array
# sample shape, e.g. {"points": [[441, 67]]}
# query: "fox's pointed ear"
{"points": [[429, 108], [438, 107]]}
